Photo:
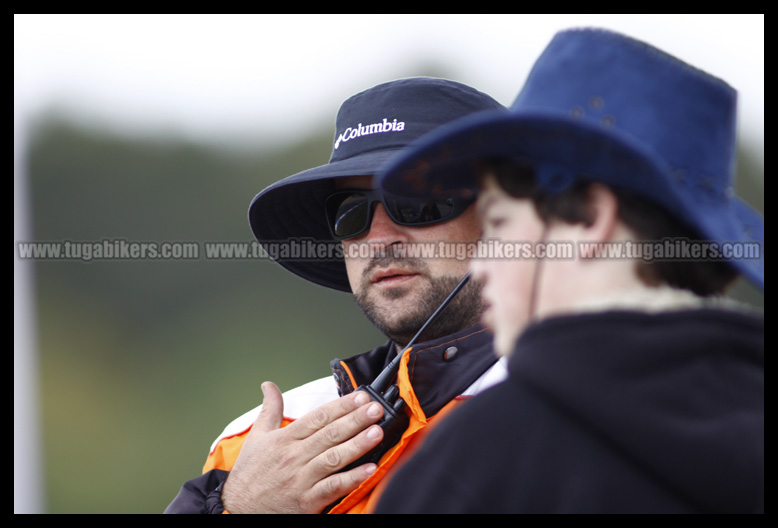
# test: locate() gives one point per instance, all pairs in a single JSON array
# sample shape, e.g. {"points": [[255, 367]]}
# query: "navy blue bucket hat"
{"points": [[605, 107], [370, 127]]}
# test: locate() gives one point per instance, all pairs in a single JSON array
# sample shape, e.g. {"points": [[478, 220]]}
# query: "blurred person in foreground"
{"points": [[634, 385], [289, 454]]}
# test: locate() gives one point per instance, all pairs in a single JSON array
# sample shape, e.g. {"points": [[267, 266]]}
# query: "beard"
{"points": [[462, 312]]}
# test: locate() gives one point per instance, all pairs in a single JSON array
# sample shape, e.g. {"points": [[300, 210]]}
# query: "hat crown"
{"points": [[684, 116], [391, 115]]}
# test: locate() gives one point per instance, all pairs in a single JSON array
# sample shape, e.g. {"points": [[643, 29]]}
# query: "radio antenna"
{"points": [[385, 378]]}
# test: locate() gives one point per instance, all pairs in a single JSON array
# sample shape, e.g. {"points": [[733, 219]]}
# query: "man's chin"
{"points": [[399, 312]]}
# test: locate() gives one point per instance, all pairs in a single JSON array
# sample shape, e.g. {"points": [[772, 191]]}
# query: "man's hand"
{"points": [[293, 469]]}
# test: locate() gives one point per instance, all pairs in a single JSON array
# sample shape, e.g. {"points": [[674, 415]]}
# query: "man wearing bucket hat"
{"points": [[633, 386], [288, 456]]}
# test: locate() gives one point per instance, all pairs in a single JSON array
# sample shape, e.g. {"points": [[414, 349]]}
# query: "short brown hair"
{"points": [[649, 221]]}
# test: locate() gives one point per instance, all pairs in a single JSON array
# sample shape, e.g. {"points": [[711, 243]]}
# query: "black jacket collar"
{"points": [[440, 369]]}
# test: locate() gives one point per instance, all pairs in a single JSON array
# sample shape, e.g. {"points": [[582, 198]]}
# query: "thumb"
{"points": [[272, 412]]}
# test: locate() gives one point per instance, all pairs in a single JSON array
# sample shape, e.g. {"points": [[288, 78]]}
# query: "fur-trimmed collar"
{"points": [[652, 300]]}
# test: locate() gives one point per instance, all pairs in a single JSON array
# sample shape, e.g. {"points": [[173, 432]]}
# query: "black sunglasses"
{"points": [[350, 212]]}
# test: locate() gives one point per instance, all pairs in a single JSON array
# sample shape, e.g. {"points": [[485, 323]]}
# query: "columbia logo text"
{"points": [[366, 130]]}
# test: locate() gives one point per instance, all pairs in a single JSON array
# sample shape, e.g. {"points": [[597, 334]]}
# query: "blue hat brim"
{"points": [[444, 163]]}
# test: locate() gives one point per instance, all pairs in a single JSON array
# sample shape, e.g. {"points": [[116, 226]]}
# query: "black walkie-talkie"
{"points": [[384, 390]]}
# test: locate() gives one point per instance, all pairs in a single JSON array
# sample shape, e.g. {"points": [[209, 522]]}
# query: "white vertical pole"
{"points": [[26, 454]]}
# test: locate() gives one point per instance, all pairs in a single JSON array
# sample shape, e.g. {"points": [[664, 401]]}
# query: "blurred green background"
{"points": [[144, 362]]}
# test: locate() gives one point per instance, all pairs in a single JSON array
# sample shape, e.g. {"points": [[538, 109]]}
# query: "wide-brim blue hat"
{"points": [[371, 127], [604, 107]]}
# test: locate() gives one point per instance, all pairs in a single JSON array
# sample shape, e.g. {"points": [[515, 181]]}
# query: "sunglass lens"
{"points": [[419, 211], [348, 214]]}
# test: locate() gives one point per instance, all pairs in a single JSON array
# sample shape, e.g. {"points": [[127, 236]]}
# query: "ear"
{"points": [[603, 213]]}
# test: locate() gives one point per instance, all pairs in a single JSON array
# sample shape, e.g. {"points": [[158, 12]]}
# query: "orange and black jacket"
{"points": [[433, 376]]}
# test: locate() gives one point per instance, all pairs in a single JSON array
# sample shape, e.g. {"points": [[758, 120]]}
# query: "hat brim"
{"points": [[292, 210], [444, 163]]}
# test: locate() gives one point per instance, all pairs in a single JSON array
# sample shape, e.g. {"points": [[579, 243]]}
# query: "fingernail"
{"points": [[370, 469], [374, 433], [374, 411], [361, 398]]}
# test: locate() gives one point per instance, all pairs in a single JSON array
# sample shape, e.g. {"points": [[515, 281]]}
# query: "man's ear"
{"points": [[603, 213]]}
